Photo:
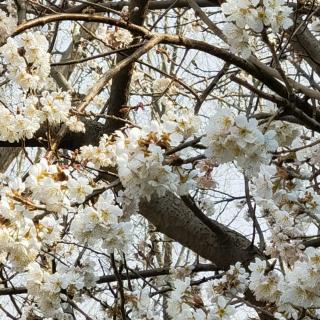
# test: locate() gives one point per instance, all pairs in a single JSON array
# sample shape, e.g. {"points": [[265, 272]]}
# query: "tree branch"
{"points": [[123, 276], [119, 94]]}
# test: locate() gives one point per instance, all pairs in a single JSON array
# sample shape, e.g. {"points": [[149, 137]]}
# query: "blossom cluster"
{"points": [[27, 60], [187, 304], [27, 63], [53, 107], [293, 291], [232, 282], [15, 127], [288, 208], [181, 299], [32, 214], [101, 223], [254, 16], [140, 303], [47, 287], [32, 211], [141, 168], [230, 137], [184, 301], [117, 38], [139, 154], [286, 132], [7, 25], [22, 238]]}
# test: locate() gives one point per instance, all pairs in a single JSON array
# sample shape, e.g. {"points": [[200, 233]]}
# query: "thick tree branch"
{"points": [[173, 218], [119, 94], [308, 47]]}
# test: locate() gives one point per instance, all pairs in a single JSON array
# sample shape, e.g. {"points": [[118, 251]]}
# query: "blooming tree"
{"points": [[160, 159]]}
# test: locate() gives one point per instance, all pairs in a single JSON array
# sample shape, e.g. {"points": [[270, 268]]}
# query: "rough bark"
{"points": [[7, 155], [121, 82], [307, 47], [173, 218]]}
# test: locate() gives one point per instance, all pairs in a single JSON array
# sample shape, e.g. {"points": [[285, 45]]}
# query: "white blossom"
{"points": [[28, 62], [79, 189], [235, 138], [7, 25]]}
